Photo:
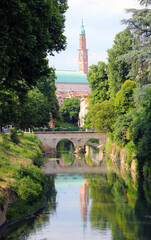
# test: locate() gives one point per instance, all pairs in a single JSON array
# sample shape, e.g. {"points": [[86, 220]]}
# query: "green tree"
{"points": [[29, 31], [141, 135], [47, 87], [9, 105], [118, 70], [70, 110], [98, 82], [124, 100], [35, 111], [103, 116], [139, 56], [121, 134]]}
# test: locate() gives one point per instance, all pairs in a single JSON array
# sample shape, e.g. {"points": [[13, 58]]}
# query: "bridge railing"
{"points": [[63, 129]]}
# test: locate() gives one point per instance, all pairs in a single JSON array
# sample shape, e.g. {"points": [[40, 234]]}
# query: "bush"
{"points": [[34, 172], [121, 133], [29, 183], [94, 140], [13, 136], [28, 190]]}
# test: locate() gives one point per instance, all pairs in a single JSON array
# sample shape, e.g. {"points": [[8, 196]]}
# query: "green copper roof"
{"points": [[71, 77], [82, 29]]}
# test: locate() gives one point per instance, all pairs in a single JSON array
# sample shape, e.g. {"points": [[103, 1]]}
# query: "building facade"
{"points": [[84, 104]]}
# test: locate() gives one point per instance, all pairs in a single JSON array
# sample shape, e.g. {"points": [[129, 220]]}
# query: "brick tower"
{"points": [[83, 52]]}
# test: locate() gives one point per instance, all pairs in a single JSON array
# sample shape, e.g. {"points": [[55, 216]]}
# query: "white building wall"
{"points": [[83, 111]]}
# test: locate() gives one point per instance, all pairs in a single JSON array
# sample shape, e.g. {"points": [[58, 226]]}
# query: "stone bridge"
{"points": [[78, 138]]}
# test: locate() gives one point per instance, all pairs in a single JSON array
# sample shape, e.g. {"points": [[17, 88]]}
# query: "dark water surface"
{"points": [[111, 206]]}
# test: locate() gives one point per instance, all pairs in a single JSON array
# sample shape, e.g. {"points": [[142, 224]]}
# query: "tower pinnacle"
{"points": [[82, 28], [83, 52]]}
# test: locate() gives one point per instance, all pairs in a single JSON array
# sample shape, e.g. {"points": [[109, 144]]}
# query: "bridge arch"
{"points": [[50, 139], [65, 140]]}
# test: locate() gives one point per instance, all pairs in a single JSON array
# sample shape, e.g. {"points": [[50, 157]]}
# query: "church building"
{"points": [[72, 83]]}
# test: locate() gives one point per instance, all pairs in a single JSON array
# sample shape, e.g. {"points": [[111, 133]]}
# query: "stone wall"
{"points": [[119, 155]]}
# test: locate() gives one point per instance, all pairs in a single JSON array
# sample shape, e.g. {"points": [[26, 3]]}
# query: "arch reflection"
{"points": [[64, 152]]}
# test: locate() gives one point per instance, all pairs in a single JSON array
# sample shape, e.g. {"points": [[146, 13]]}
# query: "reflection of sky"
{"points": [[66, 223], [68, 180]]}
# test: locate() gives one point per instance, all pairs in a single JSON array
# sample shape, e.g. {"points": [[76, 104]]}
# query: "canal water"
{"points": [[107, 206]]}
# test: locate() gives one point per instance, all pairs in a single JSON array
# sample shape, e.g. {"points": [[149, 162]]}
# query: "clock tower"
{"points": [[83, 52]]}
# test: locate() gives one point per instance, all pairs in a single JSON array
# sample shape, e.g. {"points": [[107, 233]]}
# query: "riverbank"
{"points": [[22, 183], [123, 156]]}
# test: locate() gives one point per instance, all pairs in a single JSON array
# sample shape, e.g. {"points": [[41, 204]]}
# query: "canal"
{"points": [[109, 205]]}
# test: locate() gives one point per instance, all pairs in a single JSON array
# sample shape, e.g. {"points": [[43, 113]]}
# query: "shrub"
{"points": [[34, 172], [94, 140], [13, 136], [121, 133], [28, 190]]}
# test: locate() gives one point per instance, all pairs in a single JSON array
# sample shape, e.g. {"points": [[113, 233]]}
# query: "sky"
{"points": [[102, 21]]}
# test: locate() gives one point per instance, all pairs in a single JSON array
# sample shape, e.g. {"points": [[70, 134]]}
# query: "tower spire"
{"points": [[83, 52]]}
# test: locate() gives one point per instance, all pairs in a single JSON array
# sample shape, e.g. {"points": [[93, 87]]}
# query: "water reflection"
{"points": [[84, 202], [66, 154], [89, 207], [64, 150], [93, 156], [116, 206]]}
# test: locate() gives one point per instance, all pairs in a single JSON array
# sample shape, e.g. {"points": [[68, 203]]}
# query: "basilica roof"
{"points": [[71, 77]]}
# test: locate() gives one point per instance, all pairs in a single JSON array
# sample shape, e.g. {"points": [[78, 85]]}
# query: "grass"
{"points": [[19, 177], [12, 155]]}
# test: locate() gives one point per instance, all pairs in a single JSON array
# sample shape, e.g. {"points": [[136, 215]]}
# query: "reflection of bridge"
{"points": [[78, 166], [50, 139]]}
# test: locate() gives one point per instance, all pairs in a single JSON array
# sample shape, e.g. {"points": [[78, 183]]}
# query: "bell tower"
{"points": [[82, 52]]}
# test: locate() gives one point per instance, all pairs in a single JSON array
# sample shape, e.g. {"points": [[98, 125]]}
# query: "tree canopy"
{"points": [[103, 116], [70, 110], [35, 111], [47, 87], [29, 31], [118, 70], [139, 57], [40, 104], [124, 100], [98, 82]]}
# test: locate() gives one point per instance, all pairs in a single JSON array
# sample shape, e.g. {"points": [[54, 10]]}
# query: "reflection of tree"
{"points": [[84, 201], [112, 206], [92, 156], [65, 150]]}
